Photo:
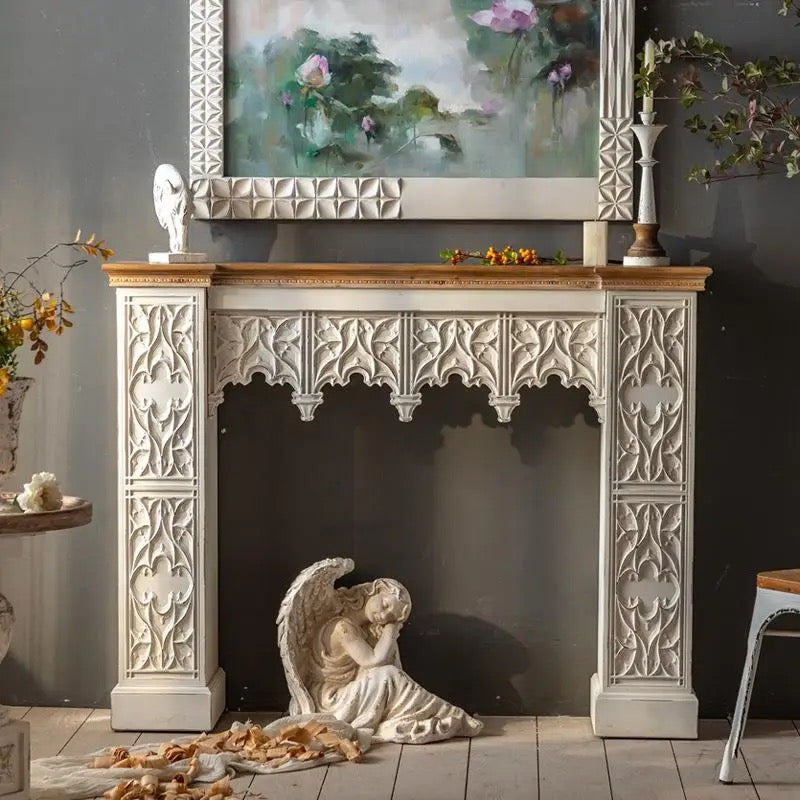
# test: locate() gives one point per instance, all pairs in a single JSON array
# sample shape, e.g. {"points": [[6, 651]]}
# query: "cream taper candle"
{"points": [[649, 62]]}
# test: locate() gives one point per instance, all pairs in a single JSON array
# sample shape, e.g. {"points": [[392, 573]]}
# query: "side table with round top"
{"points": [[15, 734]]}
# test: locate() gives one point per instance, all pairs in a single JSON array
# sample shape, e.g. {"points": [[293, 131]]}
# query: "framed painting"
{"points": [[441, 109]]}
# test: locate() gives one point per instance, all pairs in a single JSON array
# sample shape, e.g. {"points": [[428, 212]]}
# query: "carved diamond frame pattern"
{"points": [[217, 197]]}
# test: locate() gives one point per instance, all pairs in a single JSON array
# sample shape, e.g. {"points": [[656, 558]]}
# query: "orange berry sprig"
{"points": [[493, 256], [508, 255]]}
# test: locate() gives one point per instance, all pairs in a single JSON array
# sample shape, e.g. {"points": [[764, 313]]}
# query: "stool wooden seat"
{"points": [[777, 593], [781, 580]]}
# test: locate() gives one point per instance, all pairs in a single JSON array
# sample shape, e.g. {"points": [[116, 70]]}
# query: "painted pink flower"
{"points": [[287, 99], [314, 72], [368, 124], [508, 16], [492, 106], [558, 76], [752, 110]]}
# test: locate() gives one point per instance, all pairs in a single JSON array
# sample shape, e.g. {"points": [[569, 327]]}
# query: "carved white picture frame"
{"points": [[609, 196]]}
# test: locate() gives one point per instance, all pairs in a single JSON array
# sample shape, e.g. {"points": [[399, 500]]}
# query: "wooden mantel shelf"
{"points": [[408, 276]]}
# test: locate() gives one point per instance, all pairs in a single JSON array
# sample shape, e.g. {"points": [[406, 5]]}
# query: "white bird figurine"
{"points": [[173, 209]]}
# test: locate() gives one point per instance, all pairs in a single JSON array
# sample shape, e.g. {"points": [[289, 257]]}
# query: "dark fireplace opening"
{"points": [[493, 529]]}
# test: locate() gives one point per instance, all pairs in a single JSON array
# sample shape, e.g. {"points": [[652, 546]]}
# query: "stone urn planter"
{"points": [[10, 414]]}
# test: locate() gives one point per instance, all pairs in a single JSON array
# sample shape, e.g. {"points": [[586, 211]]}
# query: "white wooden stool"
{"points": [[777, 593]]}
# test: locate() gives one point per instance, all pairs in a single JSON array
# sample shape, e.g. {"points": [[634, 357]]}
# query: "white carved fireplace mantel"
{"points": [[185, 332]]}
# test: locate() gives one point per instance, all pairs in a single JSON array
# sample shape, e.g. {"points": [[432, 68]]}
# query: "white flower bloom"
{"points": [[314, 72], [41, 494]]}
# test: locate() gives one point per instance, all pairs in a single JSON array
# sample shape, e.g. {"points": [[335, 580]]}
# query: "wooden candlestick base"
{"points": [[646, 250]]}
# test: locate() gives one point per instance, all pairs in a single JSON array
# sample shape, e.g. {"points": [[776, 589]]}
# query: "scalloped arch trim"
{"points": [[406, 352]]}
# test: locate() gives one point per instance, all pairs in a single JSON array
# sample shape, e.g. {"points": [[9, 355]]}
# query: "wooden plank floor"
{"points": [[516, 758]]}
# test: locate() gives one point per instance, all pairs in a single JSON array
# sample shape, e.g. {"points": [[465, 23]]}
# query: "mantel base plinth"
{"points": [[165, 706], [643, 714]]}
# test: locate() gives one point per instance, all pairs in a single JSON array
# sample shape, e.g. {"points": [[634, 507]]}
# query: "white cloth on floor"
{"points": [[69, 777]]}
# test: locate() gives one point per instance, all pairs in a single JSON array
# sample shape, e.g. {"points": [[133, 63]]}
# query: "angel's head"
{"points": [[381, 601], [386, 600]]}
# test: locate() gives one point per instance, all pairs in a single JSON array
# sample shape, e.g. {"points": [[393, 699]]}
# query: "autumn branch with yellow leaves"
{"points": [[28, 313]]}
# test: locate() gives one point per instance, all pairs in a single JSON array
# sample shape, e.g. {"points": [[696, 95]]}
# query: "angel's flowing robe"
{"points": [[382, 699]]}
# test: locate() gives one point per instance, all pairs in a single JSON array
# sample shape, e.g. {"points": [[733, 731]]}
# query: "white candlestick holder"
{"points": [[646, 250]]}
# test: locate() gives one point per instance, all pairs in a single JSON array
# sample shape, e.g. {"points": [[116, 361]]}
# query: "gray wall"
{"points": [[93, 95]]}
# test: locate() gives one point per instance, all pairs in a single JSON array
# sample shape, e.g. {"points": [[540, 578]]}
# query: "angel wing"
{"points": [[309, 601]]}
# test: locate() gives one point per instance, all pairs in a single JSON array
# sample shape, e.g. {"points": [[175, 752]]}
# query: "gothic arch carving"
{"points": [[406, 352]]}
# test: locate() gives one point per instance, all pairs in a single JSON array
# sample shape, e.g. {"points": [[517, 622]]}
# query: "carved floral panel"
{"points": [[247, 344], [161, 573], [648, 564], [651, 358], [568, 348], [446, 346], [346, 345], [161, 404]]}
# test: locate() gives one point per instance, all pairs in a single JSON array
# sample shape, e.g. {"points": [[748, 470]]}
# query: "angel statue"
{"points": [[340, 655], [171, 200]]}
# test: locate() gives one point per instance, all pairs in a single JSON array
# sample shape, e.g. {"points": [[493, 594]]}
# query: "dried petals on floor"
{"points": [[301, 742]]}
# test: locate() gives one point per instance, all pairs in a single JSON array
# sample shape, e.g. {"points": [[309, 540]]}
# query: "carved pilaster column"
{"points": [[169, 676], [643, 684]]}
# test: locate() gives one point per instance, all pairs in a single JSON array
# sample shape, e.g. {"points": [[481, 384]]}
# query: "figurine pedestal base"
{"points": [[645, 261], [646, 250], [178, 258], [15, 747]]}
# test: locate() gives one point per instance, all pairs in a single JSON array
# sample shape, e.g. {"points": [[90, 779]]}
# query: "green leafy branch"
{"points": [[756, 129], [790, 7]]}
